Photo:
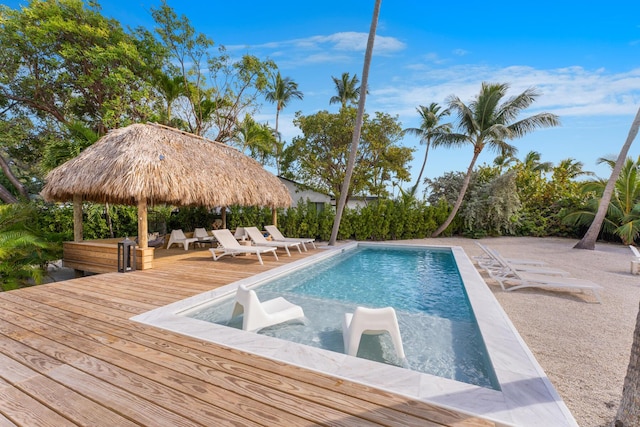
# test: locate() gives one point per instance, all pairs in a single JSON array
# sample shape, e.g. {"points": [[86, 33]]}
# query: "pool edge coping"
{"points": [[527, 396]]}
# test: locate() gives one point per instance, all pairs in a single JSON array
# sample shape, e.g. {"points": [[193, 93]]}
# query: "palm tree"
{"points": [[347, 88], [504, 161], [487, 122], [629, 409], [569, 169], [532, 162], [358, 125], [280, 91], [170, 88], [588, 241], [256, 138], [430, 130], [623, 212]]}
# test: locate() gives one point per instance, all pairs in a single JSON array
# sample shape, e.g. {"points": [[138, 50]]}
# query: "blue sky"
{"points": [[583, 57]]}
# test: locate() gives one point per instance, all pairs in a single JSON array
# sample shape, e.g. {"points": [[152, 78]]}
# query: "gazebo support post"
{"points": [[274, 216], [77, 226], [143, 230], [223, 216], [77, 218]]}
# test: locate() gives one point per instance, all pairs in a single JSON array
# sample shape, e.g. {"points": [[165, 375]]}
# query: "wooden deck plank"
{"points": [[6, 422], [63, 400], [23, 410], [77, 335], [228, 391], [312, 392], [128, 392], [74, 405]]}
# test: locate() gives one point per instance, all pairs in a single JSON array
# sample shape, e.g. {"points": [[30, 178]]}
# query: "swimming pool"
{"points": [[439, 330], [526, 396]]}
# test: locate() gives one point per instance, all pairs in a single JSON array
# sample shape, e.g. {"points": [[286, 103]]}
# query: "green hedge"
{"points": [[381, 220]]}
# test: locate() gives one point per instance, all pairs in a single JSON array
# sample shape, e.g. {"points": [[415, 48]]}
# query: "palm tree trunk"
{"points": [[424, 164], [358, 125], [463, 191], [277, 141], [588, 241], [629, 409]]}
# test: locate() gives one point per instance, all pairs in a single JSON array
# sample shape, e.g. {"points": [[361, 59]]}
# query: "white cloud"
{"points": [[572, 91], [460, 52], [348, 41]]}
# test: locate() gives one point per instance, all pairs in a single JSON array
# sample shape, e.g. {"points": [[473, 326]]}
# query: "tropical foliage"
{"points": [[281, 91], [318, 158], [348, 91], [23, 253], [430, 130], [623, 213], [488, 121]]}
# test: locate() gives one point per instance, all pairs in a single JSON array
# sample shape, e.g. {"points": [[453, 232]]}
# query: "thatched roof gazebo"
{"points": [[144, 164]]}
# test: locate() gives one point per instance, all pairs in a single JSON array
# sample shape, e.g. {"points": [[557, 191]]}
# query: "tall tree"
{"points": [[319, 157], [170, 88], [488, 122], [430, 130], [623, 212], [189, 51], [255, 138], [588, 241], [280, 91], [356, 131], [64, 60], [532, 162], [628, 414], [347, 89], [629, 410], [220, 89], [504, 161]]}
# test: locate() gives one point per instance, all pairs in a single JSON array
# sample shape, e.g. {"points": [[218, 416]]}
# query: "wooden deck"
{"points": [[69, 356]]}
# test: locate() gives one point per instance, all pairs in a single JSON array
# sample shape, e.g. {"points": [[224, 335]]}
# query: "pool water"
{"points": [[438, 328]]}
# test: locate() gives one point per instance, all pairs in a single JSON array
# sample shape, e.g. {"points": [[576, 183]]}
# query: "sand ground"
{"points": [[583, 346]]}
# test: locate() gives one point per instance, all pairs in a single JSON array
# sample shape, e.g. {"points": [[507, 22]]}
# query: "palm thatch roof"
{"points": [[164, 165]]}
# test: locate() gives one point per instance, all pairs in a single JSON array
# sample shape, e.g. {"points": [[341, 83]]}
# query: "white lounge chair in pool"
{"points": [[499, 264], [177, 237], [258, 315], [228, 245], [525, 279], [278, 237], [370, 321], [635, 262], [257, 238]]}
